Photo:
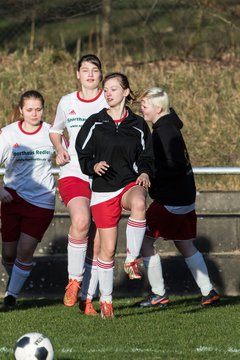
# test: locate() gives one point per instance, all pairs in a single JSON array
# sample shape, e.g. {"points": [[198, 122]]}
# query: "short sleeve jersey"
{"points": [[27, 158], [72, 111]]}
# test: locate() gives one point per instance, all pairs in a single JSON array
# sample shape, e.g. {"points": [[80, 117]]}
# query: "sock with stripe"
{"points": [[154, 272], [20, 273], [198, 268], [134, 233], [76, 257], [105, 275], [90, 279]]}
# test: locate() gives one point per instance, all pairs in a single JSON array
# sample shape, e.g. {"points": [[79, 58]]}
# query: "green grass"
{"points": [[182, 331]]}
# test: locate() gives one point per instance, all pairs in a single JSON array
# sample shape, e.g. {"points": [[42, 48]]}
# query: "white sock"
{"points": [[105, 275], [154, 273], [134, 233], [198, 268], [20, 273], [76, 257], [90, 279]]}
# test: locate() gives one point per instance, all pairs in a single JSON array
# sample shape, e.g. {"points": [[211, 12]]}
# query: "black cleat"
{"points": [[211, 299], [9, 302], [155, 300]]}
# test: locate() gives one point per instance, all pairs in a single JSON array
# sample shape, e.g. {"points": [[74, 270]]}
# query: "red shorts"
{"points": [[169, 226], [107, 214], [71, 187], [19, 216]]}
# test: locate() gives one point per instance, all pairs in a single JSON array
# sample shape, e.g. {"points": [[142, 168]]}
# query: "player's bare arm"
{"points": [[62, 157]]}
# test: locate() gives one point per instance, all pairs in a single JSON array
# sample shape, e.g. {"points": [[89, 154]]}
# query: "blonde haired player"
{"points": [[72, 111], [28, 194], [171, 215]]}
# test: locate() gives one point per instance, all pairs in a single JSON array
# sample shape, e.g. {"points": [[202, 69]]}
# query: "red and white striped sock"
{"points": [[20, 273], [90, 279], [77, 249], [134, 233], [105, 275]]}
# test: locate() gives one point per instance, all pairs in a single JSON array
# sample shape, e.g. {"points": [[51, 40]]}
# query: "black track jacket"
{"points": [[126, 147], [173, 183]]}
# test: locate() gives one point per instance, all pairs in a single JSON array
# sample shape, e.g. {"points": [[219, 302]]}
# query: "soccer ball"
{"points": [[33, 346]]}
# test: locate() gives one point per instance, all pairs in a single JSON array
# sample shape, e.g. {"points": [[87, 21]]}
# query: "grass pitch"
{"points": [[184, 330]]}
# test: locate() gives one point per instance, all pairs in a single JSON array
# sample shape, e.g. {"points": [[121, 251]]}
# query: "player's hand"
{"points": [[101, 168], [62, 157], [143, 180], [5, 196]]}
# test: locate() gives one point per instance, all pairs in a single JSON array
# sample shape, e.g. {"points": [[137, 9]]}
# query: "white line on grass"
{"points": [[5, 350], [133, 350], [213, 349], [153, 351], [120, 350], [65, 351], [138, 350], [231, 350]]}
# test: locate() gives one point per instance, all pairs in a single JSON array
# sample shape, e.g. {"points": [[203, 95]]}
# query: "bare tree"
{"points": [[105, 26]]}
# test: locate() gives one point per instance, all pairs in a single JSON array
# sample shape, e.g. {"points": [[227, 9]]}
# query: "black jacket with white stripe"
{"points": [[126, 147]]}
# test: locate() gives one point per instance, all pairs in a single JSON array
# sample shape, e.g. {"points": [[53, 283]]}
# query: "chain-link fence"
{"points": [[136, 28]]}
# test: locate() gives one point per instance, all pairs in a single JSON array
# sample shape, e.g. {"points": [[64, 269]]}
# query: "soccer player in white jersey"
{"points": [[28, 194], [72, 111]]}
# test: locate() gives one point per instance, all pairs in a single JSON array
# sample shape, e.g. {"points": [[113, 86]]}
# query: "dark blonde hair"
{"points": [[123, 80], [16, 114]]}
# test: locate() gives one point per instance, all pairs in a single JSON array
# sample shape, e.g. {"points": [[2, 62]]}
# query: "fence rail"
{"points": [[221, 170], [202, 170]]}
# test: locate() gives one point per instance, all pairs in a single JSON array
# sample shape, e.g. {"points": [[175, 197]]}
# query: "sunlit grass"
{"points": [[182, 331]]}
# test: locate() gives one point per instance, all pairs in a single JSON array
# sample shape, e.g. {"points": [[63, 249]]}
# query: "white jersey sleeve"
{"points": [[59, 122], [4, 147]]}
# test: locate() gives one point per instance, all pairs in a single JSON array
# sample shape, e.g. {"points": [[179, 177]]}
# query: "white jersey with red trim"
{"points": [[28, 163], [72, 111]]}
